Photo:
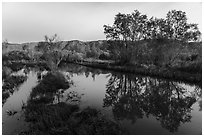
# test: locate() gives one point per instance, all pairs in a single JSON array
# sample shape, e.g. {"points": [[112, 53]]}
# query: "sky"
{"points": [[29, 22]]}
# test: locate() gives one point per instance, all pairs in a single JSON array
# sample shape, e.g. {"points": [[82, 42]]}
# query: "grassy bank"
{"points": [[182, 68], [153, 71]]}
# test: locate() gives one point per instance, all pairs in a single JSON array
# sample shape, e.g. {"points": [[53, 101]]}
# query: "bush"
{"points": [[105, 56], [51, 82], [66, 119], [15, 55], [191, 67]]}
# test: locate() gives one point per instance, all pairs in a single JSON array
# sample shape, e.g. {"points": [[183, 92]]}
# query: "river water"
{"points": [[141, 105]]}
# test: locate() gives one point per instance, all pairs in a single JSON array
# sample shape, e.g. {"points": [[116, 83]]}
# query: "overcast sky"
{"points": [[26, 22]]}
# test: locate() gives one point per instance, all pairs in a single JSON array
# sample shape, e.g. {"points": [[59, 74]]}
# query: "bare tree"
{"points": [[51, 51]]}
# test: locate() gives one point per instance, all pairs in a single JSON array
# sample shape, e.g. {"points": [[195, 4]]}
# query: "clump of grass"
{"points": [[49, 85]]}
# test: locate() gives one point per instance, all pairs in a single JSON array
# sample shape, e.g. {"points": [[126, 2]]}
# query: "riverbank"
{"points": [[152, 71]]}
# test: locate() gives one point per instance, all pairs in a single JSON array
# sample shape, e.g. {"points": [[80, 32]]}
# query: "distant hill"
{"points": [[68, 45]]}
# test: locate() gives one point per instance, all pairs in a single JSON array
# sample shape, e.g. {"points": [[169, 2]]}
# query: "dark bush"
{"points": [[104, 56], [15, 55]]}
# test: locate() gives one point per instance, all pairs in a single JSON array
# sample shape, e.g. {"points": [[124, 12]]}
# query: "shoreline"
{"points": [[152, 72], [156, 72]]}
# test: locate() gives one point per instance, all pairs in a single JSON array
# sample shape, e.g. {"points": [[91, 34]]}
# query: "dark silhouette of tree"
{"points": [[177, 22], [133, 38], [193, 33], [120, 31], [179, 28], [138, 26], [157, 28], [126, 29]]}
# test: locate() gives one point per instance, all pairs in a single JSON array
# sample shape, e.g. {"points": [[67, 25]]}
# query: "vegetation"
{"points": [[15, 56], [169, 43], [50, 117], [168, 48], [136, 27], [50, 51], [135, 38]]}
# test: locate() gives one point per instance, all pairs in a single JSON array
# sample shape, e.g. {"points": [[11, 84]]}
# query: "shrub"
{"points": [[15, 55], [105, 56]]}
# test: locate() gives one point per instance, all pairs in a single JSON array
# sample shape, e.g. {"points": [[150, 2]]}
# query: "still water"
{"points": [[141, 105]]}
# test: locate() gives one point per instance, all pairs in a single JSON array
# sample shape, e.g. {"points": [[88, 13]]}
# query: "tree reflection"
{"points": [[11, 82], [135, 97], [81, 70], [48, 116]]}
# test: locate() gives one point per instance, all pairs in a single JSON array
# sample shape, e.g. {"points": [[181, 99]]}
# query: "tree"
{"points": [[193, 33], [179, 28], [25, 47], [157, 28], [138, 26], [126, 29], [5, 41], [119, 31], [5, 44], [177, 21], [52, 53]]}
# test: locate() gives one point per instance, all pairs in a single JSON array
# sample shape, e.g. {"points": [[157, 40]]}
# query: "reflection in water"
{"points": [[11, 83], [46, 116], [82, 70], [50, 86], [15, 104], [135, 97], [141, 104]]}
